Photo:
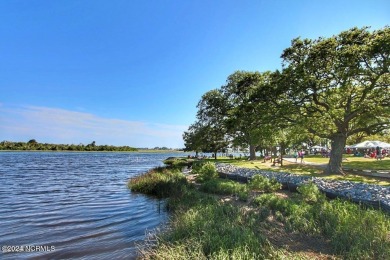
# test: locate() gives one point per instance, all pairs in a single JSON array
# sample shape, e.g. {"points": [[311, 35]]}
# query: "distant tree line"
{"points": [[163, 148], [33, 145], [335, 89]]}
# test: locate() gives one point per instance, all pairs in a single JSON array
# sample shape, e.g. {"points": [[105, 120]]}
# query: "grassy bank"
{"points": [[161, 182], [255, 226]]}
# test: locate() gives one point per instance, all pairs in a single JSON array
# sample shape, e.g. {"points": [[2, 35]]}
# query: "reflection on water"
{"points": [[77, 202]]}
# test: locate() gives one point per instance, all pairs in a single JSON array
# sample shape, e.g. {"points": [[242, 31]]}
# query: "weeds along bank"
{"points": [[205, 227]]}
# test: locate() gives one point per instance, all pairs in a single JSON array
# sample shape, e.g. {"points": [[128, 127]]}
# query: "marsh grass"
{"points": [[178, 162], [161, 182], [226, 187], [229, 187], [203, 228], [355, 232]]}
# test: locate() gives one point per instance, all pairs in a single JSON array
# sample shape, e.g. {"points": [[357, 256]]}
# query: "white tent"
{"points": [[317, 147], [371, 144]]}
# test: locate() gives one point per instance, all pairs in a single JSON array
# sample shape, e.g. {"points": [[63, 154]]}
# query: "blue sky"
{"points": [[129, 72]]}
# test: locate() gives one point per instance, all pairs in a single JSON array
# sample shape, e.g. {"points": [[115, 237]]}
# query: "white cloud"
{"points": [[64, 126]]}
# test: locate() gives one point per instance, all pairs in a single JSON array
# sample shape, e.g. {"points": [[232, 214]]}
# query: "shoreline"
{"points": [[67, 151], [204, 223]]}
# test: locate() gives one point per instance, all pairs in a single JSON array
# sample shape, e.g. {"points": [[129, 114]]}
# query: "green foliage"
{"points": [[355, 232], [310, 192], [357, 102], [247, 96], [32, 142], [178, 162], [226, 187], [331, 87], [197, 165], [205, 170], [261, 183], [202, 228], [208, 133], [160, 182], [33, 145], [194, 138]]}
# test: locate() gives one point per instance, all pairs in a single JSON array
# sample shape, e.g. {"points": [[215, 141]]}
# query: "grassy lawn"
{"points": [[317, 170], [359, 163], [367, 163]]}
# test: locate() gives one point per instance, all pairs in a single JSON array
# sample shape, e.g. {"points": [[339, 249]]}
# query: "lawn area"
{"points": [[361, 163], [317, 170], [353, 162]]}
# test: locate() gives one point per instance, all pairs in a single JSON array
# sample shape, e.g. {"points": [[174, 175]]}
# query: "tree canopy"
{"points": [[339, 86], [334, 88]]}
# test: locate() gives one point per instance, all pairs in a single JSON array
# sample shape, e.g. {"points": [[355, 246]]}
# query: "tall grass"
{"points": [[354, 231], [178, 161], [264, 184], [207, 229], [160, 182], [226, 187], [202, 227]]}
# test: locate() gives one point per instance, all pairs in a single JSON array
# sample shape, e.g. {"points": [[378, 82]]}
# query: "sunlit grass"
{"points": [[225, 187], [349, 161], [318, 170], [354, 231], [367, 164], [205, 227], [159, 181]]}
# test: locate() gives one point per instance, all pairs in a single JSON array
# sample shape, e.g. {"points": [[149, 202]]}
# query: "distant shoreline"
{"points": [[67, 151]]}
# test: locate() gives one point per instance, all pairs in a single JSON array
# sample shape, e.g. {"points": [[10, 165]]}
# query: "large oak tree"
{"points": [[339, 86], [248, 118], [208, 133]]}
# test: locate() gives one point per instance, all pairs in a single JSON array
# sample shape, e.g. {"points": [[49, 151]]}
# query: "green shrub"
{"points": [[310, 192], [197, 165], [206, 171], [261, 183]]}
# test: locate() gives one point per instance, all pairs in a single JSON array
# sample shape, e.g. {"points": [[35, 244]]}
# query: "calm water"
{"points": [[77, 202]]}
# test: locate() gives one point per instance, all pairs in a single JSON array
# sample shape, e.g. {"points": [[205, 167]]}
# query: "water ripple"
{"points": [[77, 202]]}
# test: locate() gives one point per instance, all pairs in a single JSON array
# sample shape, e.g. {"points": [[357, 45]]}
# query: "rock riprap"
{"points": [[372, 194]]}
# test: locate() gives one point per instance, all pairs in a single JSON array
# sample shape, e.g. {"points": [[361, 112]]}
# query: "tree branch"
{"points": [[371, 129]]}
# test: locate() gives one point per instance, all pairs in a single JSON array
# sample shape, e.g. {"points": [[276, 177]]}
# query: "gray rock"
{"points": [[352, 190]]}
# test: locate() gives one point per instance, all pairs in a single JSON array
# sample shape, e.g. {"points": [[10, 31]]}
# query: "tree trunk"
{"points": [[252, 152], [281, 154], [215, 155], [336, 155]]}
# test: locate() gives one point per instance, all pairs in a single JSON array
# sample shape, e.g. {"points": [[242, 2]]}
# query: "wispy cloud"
{"points": [[45, 124]]}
